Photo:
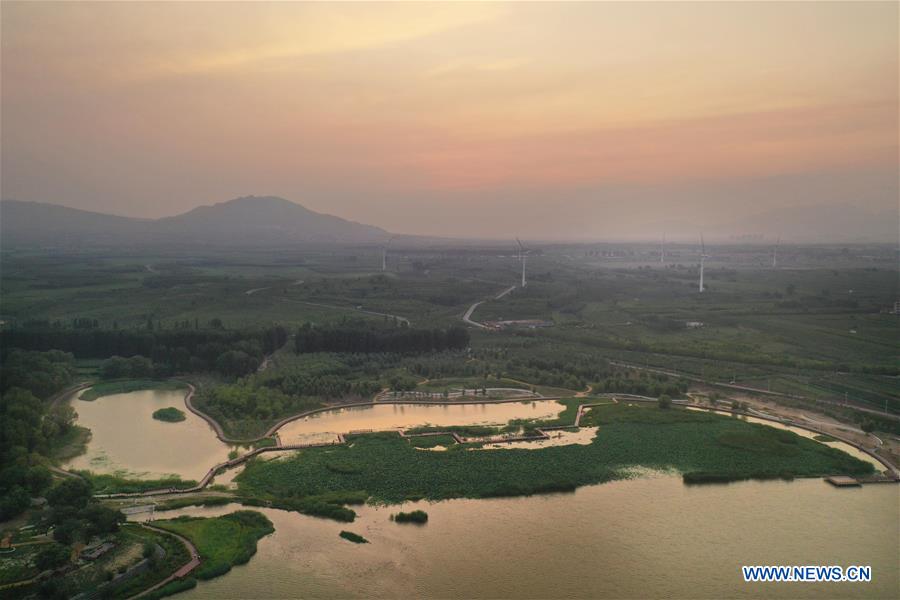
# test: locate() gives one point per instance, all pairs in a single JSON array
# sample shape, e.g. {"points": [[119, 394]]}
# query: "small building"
{"points": [[693, 324], [96, 551]]}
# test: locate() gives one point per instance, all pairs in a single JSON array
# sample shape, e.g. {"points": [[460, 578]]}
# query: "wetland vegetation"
{"points": [[353, 537], [170, 414], [223, 542], [417, 516], [109, 388], [390, 470]]}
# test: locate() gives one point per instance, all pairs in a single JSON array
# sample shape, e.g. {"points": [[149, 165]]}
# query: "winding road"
{"points": [[467, 317]]}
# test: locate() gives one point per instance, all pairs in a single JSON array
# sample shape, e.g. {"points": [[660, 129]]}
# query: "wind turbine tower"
{"points": [[703, 257], [384, 252], [522, 254], [662, 250], [775, 253]]}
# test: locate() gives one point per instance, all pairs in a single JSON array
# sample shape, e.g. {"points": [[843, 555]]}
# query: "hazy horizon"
{"points": [[548, 121]]}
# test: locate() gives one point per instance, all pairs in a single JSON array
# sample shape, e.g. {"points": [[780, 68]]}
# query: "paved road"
{"points": [[467, 317]]}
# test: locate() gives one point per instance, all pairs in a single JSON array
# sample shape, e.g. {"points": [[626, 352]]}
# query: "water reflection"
{"points": [[326, 425], [649, 537], [125, 437]]}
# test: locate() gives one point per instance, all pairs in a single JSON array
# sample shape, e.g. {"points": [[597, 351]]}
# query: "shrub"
{"points": [[353, 537], [169, 414], [416, 516]]}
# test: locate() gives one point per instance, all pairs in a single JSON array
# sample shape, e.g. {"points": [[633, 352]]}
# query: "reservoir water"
{"points": [[126, 438], [326, 425], [647, 537]]}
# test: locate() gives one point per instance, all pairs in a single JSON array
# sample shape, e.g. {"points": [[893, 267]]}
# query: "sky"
{"points": [[543, 120]]}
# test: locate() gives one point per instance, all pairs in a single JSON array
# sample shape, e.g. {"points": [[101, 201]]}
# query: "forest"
{"points": [[230, 353], [29, 425], [360, 337]]}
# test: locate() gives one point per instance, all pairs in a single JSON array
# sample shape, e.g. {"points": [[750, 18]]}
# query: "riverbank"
{"points": [[108, 388]]}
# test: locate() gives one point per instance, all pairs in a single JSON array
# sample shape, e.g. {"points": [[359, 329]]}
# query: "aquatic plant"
{"points": [[392, 471], [416, 516], [353, 537]]}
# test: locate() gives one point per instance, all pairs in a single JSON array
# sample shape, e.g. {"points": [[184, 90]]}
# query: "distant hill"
{"points": [[248, 221], [50, 224], [248, 218]]}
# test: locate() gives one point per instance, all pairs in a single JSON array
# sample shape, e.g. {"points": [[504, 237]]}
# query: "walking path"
{"points": [[745, 388], [354, 309], [384, 395], [380, 399], [891, 470], [182, 571]]}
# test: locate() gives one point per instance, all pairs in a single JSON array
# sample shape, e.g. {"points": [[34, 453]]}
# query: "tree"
{"points": [[236, 363], [867, 426], [13, 502], [69, 531], [52, 557], [73, 492], [664, 401], [101, 519], [38, 479]]}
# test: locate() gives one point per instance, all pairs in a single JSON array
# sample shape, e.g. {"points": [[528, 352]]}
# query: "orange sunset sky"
{"points": [[548, 120]]}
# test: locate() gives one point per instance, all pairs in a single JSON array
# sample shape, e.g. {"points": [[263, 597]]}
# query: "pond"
{"points": [[325, 426], [126, 439]]}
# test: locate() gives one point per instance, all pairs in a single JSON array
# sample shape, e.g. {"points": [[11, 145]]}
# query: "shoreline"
{"points": [[341, 440]]}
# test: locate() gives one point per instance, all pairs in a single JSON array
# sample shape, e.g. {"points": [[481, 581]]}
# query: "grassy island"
{"points": [[170, 414], [416, 516], [697, 444], [353, 537], [222, 541]]}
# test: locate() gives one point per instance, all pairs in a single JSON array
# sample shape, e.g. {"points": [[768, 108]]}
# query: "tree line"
{"points": [[363, 339], [144, 353], [28, 425], [103, 343]]}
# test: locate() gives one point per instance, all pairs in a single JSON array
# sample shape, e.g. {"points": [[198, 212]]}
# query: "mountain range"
{"points": [[250, 220]]}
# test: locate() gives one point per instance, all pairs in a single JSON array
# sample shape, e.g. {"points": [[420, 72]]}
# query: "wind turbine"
{"points": [[522, 254], [775, 253], [384, 254], [703, 257]]}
